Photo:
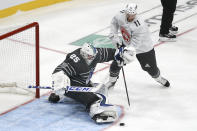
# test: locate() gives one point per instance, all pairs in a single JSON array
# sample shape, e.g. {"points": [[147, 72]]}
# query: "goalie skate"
{"points": [[105, 117]]}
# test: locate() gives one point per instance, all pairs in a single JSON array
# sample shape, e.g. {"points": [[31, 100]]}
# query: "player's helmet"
{"points": [[88, 51], [131, 9]]}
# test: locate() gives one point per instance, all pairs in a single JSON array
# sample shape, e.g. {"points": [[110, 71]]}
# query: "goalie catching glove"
{"points": [[59, 82], [124, 56]]}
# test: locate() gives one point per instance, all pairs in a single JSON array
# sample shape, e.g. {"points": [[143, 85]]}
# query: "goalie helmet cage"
{"points": [[35, 51]]}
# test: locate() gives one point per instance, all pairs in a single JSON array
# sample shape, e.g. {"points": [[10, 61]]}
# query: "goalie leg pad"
{"points": [[101, 112], [104, 118]]}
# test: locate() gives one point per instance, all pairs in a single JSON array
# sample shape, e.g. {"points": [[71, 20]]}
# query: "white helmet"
{"points": [[88, 51], [131, 9]]}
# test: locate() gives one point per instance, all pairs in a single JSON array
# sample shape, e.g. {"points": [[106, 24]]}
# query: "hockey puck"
{"points": [[122, 124]]}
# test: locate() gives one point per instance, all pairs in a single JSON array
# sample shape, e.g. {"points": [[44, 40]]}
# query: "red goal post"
{"points": [[28, 70]]}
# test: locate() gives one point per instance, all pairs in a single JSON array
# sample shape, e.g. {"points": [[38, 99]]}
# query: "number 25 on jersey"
{"points": [[74, 58]]}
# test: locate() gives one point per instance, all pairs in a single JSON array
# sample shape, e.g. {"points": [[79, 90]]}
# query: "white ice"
{"points": [[153, 108]]}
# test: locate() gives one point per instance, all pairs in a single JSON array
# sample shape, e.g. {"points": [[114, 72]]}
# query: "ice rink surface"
{"points": [[153, 108]]}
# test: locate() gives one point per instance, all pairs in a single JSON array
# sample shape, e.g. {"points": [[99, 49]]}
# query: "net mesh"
{"points": [[18, 59]]}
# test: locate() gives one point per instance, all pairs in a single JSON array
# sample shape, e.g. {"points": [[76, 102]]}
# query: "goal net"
{"points": [[19, 60]]}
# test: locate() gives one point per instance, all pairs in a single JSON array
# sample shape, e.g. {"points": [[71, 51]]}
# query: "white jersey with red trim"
{"points": [[135, 33]]}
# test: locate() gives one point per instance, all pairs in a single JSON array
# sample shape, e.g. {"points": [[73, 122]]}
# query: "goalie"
{"points": [[77, 70]]}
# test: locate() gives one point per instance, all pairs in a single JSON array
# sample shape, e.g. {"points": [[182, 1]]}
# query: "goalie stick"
{"points": [[96, 88]]}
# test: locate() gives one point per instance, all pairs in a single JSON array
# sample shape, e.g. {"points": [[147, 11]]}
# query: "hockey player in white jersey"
{"points": [[136, 36], [77, 70]]}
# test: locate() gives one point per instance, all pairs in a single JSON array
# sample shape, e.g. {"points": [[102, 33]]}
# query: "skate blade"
{"points": [[173, 32], [167, 39]]}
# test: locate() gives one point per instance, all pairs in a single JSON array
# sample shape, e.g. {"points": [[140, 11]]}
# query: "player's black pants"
{"points": [[147, 61], [169, 7], [86, 98]]}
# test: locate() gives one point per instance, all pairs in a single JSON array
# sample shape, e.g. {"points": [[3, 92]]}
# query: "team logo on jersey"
{"points": [[126, 36]]}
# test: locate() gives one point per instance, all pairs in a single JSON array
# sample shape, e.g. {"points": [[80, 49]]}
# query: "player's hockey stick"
{"points": [[121, 49], [125, 86]]}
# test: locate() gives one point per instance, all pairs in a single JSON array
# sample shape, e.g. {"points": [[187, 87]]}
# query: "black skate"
{"points": [[173, 30], [167, 37], [163, 81]]}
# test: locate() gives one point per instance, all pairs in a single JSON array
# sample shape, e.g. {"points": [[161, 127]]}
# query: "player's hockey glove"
{"points": [[124, 56], [118, 42]]}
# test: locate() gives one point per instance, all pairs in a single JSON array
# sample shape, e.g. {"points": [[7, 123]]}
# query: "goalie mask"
{"points": [[88, 51]]}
